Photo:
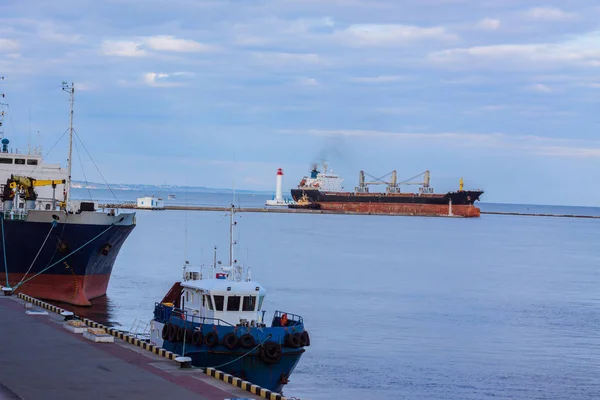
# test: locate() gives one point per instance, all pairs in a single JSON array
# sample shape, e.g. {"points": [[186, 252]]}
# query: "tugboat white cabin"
{"points": [[222, 297]]}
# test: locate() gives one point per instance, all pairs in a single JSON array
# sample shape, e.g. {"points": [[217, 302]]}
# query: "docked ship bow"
{"points": [[63, 257]]}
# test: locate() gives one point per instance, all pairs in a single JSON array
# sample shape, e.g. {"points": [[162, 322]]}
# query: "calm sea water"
{"points": [[502, 307]]}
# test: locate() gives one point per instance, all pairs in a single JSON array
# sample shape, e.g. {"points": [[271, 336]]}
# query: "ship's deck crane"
{"points": [[27, 184], [393, 186]]}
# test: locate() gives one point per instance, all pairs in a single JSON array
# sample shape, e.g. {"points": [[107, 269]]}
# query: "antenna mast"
{"points": [[231, 235], [71, 91], [2, 105]]}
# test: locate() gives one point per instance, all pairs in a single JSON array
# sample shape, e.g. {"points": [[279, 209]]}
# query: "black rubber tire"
{"points": [[270, 352], [211, 339], [172, 333], [247, 341], [292, 340], [305, 339], [180, 331], [197, 338], [165, 331], [230, 341], [188, 335]]}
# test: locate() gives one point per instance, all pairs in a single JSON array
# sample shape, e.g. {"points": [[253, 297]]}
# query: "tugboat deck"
{"points": [[41, 360]]}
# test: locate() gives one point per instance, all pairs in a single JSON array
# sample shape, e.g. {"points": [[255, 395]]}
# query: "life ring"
{"points": [[283, 320], [305, 339], [165, 331], [230, 341], [211, 339], [197, 338], [292, 340], [270, 352], [247, 340], [172, 332]]}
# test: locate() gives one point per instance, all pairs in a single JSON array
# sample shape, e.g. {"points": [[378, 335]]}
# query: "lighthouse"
{"points": [[278, 196], [278, 199]]}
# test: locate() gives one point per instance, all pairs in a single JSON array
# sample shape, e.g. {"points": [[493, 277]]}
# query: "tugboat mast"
{"points": [[231, 236], [71, 91]]}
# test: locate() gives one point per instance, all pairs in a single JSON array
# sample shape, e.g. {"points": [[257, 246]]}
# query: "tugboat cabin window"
{"points": [[249, 303], [6, 160], [32, 162], [219, 300], [260, 301], [20, 161], [209, 302], [233, 303]]}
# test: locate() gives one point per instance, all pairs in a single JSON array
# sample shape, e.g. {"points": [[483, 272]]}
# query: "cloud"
{"points": [[141, 46], [583, 50], [530, 144], [374, 35], [123, 48], [8, 45], [161, 79], [488, 24], [548, 14], [541, 88], [594, 85], [280, 59], [308, 82], [378, 79], [170, 43]]}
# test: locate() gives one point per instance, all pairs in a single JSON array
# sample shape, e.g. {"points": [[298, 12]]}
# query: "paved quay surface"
{"points": [[39, 359]]}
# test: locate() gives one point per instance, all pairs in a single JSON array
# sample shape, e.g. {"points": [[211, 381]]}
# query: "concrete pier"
{"points": [[40, 359]]}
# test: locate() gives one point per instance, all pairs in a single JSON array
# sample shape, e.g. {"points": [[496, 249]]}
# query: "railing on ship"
{"points": [[292, 319], [163, 312], [16, 215]]}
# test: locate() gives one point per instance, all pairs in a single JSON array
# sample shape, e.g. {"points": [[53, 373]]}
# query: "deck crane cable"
{"points": [[410, 179], [98, 169], [54, 223], [48, 153], [67, 256], [380, 179], [82, 169]]}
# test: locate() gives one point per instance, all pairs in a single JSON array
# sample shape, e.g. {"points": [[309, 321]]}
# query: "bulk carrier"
{"points": [[323, 190]]}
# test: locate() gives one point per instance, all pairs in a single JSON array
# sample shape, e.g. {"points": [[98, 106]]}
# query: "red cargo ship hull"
{"points": [[403, 209]]}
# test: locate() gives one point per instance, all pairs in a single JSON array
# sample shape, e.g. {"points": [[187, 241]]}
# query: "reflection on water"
{"points": [[101, 311]]}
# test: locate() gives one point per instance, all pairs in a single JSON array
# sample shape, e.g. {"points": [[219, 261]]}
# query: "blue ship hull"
{"points": [[270, 371], [66, 262]]}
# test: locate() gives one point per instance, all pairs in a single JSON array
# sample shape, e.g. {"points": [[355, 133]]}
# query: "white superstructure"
{"points": [[325, 181]]}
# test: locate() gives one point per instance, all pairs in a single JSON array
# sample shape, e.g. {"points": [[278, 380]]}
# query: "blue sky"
{"points": [[505, 93]]}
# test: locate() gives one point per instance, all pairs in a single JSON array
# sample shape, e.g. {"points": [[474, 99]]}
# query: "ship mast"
{"points": [[71, 91], [231, 235]]}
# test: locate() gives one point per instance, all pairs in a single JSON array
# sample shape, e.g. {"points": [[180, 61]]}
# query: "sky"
{"points": [[218, 93]]}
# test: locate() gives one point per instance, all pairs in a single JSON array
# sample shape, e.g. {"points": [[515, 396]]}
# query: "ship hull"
{"points": [[65, 262], [452, 203]]}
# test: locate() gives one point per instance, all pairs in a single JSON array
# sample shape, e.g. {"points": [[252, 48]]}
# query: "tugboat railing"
{"points": [[292, 319], [167, 313]]}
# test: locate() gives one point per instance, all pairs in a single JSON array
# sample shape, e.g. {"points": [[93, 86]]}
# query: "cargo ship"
{"points": [[52, 247], [324, 190]]}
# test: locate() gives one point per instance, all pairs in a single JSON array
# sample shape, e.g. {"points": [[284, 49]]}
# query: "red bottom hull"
{"points": [[74, 289], [402, 209]]}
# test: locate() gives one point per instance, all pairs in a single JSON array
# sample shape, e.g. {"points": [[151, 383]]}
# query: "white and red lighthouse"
{"points": [[278, 195], [278, 199]]}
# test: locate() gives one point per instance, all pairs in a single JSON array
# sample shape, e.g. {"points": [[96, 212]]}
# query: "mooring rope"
{"points": [[4, 251], [242, 356], [38, 253], [65, 257]]}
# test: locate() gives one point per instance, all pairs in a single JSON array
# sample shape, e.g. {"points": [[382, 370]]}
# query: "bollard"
{"points": [[7, 291]]}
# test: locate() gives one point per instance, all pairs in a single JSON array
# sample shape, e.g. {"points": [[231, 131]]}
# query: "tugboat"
{"points": [[215, 317], [304, 203]]}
